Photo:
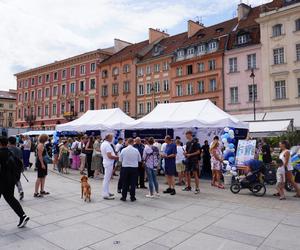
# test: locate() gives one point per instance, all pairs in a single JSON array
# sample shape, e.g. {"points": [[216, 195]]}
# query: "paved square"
{"points": [[214, 219]]}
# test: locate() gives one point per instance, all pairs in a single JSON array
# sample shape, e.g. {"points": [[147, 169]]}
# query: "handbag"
{"points": [[47, 159]]}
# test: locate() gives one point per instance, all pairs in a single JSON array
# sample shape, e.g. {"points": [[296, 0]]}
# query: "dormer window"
{"points": [[201, 48], [242, 39], [212, 45], [277, 30], [156, 49], [115, 71], [180, 53], [190, 51]]}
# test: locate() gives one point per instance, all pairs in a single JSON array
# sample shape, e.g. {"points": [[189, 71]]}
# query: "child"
{"points": [[280, 178]]}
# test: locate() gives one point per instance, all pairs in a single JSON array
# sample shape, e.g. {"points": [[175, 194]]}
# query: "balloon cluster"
{"points": [[295, 157], [117, 136]]}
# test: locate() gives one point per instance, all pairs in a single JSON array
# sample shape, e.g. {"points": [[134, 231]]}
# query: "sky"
{"points": [[37, 32]]}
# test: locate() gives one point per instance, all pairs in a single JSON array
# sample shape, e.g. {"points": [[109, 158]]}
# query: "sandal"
{"points": [[37, 195], [276, 194], [44, 193], [282, 198]]}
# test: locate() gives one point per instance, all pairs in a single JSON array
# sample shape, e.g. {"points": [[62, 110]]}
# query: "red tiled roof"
{"points": [[7, 95], [129, 52]]}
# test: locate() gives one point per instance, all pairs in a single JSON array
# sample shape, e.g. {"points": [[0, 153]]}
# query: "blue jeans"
{"points": [[26, 156], [152, 180]]}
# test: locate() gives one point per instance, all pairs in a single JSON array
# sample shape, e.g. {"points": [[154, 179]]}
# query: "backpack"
{"points": [[14, 167]]}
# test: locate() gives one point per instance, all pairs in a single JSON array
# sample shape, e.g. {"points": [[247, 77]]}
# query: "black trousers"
{"points": [[89, 157], [141, 175], [129, 179], [120, 182], [8, 194]]}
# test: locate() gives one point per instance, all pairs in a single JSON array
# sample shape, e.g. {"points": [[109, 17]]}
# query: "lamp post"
{"points": [[253, 92]]}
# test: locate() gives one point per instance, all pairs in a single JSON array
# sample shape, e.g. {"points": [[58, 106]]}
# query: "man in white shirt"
{"points": [[109, 157], [130, 158]]}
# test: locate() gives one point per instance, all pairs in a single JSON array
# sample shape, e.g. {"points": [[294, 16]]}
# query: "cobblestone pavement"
{"points": [[213, 219]]}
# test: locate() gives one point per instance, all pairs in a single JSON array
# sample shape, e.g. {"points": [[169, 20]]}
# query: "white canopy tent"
{"points": [[104, 119], [39, 132], [269, 128], [201, 114]]}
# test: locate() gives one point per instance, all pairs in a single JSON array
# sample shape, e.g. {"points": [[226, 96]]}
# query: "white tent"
{"points": [[39, 132], [201, 114], [104, 119]]}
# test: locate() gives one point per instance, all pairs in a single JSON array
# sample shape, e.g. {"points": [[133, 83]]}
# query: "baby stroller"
{"points": [[253, 181]]}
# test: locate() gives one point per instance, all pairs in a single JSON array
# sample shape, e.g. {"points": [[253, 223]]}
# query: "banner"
{"points": [[245, 151]]}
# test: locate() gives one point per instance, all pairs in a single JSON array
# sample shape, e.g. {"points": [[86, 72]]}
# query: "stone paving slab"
{"points": [[214, 219]]}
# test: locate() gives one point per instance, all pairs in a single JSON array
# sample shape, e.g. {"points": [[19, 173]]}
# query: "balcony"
{"points": [[70, 116]]}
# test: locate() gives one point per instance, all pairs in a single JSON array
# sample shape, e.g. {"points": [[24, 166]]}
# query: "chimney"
{"points": [[155, 35], [194, 27], [120, 44], [243, 11]]}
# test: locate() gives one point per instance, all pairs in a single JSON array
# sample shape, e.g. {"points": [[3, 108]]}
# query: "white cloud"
{"points": [[35, 32]]}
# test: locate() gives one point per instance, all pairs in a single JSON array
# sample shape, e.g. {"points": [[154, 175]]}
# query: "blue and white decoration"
{"points": [[229, 141]]}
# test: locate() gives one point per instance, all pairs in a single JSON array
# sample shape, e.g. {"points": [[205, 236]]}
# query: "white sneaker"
{"points": [[109, 198], [149, 196], [157, 195]]}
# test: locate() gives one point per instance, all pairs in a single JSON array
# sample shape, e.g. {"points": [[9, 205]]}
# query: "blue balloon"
{"points": [[226, 135], [228, 155], [231, 145], [231, 160]]}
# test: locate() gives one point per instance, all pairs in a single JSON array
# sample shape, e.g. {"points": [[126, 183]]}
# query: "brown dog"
{"points": [[85, 189]]}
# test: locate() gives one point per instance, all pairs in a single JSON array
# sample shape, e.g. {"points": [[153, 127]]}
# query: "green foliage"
{"points": [[292, 137]]}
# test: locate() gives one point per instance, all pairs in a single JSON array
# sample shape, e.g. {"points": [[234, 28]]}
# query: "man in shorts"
{"points": [[192, 153]]}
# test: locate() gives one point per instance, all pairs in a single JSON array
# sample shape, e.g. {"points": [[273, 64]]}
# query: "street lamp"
{"points": [[253, 92]]}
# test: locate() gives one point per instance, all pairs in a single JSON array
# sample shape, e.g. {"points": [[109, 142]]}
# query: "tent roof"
{"points": [[269, 126], [39, 132], [104, 119], [201, 113]]}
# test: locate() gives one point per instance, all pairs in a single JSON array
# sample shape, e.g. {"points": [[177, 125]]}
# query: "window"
{"points": [[149, 88], [149, 107], [126, 106], [156, 68], [81, 86], [165, 66], [93, 67], [54, 91], [234, 98], [166, 86], [233, 65], [140, 89], [32, 81], [190, 51], [114, 105], [242, 39], [157, 86], [73, 72], [126, 68], [40, 79], [115, 71], [189, 69], [55, 76], [39, 111], [19, 113], [72, 87], [54, 109], [298, 80], [140, 71], [141, 108], [212, 64], [92, 104], [251, 61], [212, 45], [190, 89], [39, 94], [26, 83], [212, 85], [47, 78], [201, 87], [278, 55], [298, 52], [47, 94], [252, 89], [81, 106], [103, 106], [46, 110], [156, 103], [280, 90], [297, 24], [104, 91], [1, 106], [20, 97], [62, 108], [115, 89], [179, 71], [277, 30], [25, 96], [11, 106], [92, 84], [126, 87], [201, 67], [179, 90], [64, 74], [201, 49], [32, 96], [104, 73], [148, 69], [82, 69], [180, 53]]}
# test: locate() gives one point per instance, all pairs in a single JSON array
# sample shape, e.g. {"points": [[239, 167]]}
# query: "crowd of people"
{"points": [[137, 162]]}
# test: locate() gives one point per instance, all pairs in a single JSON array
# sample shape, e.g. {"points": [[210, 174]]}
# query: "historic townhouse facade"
{"points": [[280, 39], [7, 108], [197, 68], [243, 55]]}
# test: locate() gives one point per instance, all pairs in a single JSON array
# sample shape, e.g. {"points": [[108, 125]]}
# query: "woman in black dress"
{"points": [[89, 148], [41, 165]]}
